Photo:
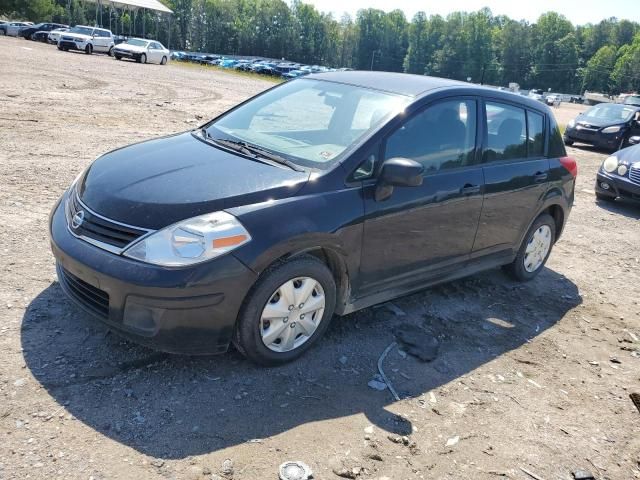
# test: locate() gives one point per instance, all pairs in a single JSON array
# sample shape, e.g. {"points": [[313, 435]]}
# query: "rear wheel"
{"points": [[534, 250], [88, 49], [111, 51], [286, 312], [163, 61]]}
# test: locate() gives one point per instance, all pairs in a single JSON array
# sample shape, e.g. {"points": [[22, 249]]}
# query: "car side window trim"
{"points": [[476, 150]]}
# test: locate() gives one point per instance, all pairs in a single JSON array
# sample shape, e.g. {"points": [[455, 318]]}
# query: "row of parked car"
{"points": [[284, 69], [89, 40]]}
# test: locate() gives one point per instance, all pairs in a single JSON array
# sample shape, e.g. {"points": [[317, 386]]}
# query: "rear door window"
{"points": [[506, 132], [535, 137]]}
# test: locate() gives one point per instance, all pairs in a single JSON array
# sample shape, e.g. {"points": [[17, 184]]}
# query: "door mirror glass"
{"points": [[398, 172]]}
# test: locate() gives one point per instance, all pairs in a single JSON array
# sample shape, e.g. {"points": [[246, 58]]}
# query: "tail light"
{"points": [[571, 165]]}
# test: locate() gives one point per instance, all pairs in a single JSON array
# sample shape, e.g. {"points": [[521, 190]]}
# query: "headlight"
{"points": [[610, 164], [611, 129], [622, 170], [191, 241], [571, 124]]}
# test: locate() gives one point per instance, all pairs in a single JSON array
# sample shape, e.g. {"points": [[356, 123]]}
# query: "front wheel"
{"points": [[88, 49], [110, 52], [286, 312], [605, 198], [118, 57], [568, 142], [534, 250], [142, 58]]}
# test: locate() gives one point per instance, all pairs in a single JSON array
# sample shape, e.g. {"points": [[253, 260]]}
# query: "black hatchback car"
{"points": [[606, 125], [29, 33], [321, 196]]}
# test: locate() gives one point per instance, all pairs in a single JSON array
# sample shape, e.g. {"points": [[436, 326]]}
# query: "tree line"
{"points": [[550, 53]]}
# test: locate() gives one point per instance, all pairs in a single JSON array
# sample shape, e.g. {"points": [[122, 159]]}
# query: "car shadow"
{"points": [[622, 207], [172, 407]]}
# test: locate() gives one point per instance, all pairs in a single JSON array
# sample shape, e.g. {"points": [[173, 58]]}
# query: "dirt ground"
{"points": [[532, 376]]}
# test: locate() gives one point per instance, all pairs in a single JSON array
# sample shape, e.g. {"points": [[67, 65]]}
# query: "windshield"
{"points": [[632, 100], [137, 42], [82, 30], [309, 122], [610, 113]]}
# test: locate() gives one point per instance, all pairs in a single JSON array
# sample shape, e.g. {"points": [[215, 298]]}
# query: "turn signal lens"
{"points": [[229, 241]]}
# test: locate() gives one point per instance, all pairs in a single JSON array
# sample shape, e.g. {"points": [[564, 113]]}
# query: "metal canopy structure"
{"points": [[135, 5]]}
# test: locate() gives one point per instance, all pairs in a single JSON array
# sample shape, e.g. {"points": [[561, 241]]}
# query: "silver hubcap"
{"points": [[537, 248], [292, 314]]}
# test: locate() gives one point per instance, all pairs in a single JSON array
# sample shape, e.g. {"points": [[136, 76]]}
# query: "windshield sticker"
{"points": [[326, 155]]}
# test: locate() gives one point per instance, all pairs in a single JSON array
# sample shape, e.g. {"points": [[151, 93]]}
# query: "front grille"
{"points": [[68, 39], [92, 298], [634, 174], [100, 231]]}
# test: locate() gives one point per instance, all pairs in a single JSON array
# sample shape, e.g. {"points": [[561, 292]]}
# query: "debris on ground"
{"points": [[583, 475], [531, 474], [392, 307], [377, 383], [452, 441], [635, 398], [381, 371], [417, 342], [347, 468], [227, 468], [295, 471]]}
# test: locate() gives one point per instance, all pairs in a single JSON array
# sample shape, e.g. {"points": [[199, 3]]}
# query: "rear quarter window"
{"points": [[556, 145]]}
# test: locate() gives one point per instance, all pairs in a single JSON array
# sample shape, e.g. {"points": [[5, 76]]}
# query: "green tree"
{"points": [[599, 69]]}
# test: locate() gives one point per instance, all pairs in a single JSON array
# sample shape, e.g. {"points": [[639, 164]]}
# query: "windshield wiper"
{"points": [[252, 150]]}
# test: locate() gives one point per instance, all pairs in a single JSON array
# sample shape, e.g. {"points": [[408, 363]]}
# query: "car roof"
{"points": [[418, 85]]}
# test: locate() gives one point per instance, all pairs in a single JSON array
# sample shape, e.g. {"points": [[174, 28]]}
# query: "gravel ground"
{"points": [[534, 376]]}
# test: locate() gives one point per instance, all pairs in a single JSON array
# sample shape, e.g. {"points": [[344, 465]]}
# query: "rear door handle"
{"points": [[469, 189], [540, 177]]}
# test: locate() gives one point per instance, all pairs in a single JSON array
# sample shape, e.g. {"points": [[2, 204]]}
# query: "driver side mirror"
{"points": [[397, 172]]}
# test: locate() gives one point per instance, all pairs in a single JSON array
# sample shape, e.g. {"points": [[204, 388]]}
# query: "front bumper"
{"points": [[126, 54], [189, 310], [618, 186], [71, 45], [598, 139]]}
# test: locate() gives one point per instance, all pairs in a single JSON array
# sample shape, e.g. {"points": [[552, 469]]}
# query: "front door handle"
{"points": [[469, 189], [540, 177]]}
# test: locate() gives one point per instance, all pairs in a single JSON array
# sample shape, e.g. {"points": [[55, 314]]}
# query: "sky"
{"points": [[578, 12]]}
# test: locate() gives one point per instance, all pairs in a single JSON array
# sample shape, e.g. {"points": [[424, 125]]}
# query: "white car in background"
{"points": [[87, 39], [12, 29], [54, 35], [142, 51]]}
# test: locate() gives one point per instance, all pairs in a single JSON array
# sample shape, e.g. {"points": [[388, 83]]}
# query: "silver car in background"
{"points": [[142, 51], [12, 29]]}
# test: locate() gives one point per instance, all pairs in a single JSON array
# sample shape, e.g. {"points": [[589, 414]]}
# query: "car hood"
{"points": [[597, 122], [629, 155], [131, 48], [159, 182], [78, 36]]}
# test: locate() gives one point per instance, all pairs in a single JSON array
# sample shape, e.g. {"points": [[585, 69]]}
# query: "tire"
{"points": [[88, 49], [59, 47], [568, 142], [163, 61], [248, 335], [118, 57], [110, 52], [624, 142], [142, 59], [517, 269], [605, 198]]}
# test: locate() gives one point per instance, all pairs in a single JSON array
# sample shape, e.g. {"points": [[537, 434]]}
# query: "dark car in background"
{"points": [[606, 125], [29, 32], [619, 175], [322, 195]]}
